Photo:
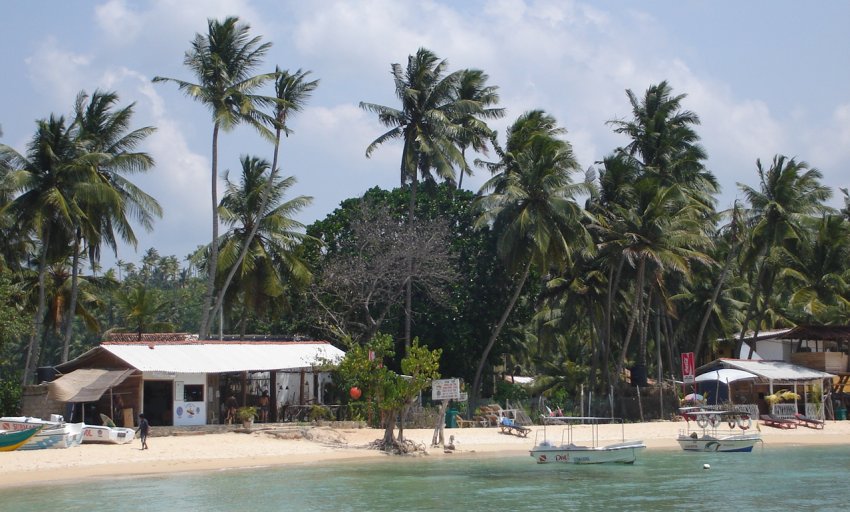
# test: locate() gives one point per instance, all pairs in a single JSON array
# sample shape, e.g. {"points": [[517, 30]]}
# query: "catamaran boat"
{"points": [[568, 451], [709, 434], [53, 434]]}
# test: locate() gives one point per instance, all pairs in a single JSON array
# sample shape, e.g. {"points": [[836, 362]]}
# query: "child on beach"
{"points": [[143, 429]]}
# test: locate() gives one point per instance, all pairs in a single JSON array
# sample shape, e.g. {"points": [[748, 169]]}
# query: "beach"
{"points": [[275, 445]]}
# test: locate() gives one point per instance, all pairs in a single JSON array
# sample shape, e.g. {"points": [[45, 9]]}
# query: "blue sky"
{"points": [[764, 77]]}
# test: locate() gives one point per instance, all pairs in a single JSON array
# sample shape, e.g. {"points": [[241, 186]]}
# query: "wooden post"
{"points": [[438, 439]]}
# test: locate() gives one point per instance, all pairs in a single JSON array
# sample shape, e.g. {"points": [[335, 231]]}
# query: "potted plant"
{"points": [[246, 415]]}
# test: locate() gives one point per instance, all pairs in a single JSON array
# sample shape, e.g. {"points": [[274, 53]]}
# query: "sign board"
{"points": [[445, 389], [688, 370]]}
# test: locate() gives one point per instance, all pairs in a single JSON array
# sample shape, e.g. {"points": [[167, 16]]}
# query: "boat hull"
{"points": [[13, 439], [52, 435], [733, 443], [620, 453], [109, 435]]}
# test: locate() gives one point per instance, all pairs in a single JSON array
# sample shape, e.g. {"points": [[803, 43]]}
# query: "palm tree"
{"points": [[142, 309], [48, 178], [102, 133], [292, 91], [474, 132], [222, 61], [789, 192], [818, 271], [426, 125], [531, 208], [271, 253], [426, 122]]}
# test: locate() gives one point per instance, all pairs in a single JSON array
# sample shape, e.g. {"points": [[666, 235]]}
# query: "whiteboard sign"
{"points": [[445, 389]]}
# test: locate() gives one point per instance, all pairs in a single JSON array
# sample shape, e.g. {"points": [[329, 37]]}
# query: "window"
{"points": [[193, 393]]}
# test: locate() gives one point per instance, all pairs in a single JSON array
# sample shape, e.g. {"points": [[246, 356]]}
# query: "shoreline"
{"points": [[299, 445]]}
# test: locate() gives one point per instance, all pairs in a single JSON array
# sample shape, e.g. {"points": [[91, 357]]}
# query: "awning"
{"points": [[725, 375], [85, 385]]}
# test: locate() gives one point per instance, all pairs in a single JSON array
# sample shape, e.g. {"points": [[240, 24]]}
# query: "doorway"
{"points": [[159, 402]]}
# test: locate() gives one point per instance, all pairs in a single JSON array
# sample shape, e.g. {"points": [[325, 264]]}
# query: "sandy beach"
{"points": [[284, 444]]}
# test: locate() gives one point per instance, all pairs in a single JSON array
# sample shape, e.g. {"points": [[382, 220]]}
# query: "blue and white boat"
{"points": [[708, 436]]}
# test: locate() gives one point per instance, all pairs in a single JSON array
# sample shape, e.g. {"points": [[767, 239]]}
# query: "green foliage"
{"points": [[319, 413], [389, 390], [507, 391], [246, 413]]}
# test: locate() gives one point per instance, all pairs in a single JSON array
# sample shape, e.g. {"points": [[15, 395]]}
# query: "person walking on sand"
{"points": [[143, 429]]}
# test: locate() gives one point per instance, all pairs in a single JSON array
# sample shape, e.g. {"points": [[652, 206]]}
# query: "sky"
{"points": [[764, 77]]}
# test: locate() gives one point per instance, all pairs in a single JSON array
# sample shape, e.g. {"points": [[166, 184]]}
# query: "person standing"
{"points": [[143, 429], [264, 407]]}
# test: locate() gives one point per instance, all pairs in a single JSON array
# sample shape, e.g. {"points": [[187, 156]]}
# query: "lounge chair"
{"points": [[809, 421], [463, 423], [509, 426], [775, 421]]}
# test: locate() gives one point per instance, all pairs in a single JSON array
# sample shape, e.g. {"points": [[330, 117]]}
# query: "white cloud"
{"points": [[57, 73]]}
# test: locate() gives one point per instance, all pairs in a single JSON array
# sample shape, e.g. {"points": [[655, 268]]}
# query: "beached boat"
{"points": [[11, 440], [53, 434], [546, 451], [709, 436], [104, 434]]}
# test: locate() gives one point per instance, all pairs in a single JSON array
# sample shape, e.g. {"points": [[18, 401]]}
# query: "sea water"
{"points": [[769, 478]]}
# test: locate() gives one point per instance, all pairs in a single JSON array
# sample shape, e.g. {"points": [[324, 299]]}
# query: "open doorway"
{"points": [[159, 402]]}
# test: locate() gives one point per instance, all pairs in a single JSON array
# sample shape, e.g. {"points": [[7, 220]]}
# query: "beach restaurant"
{"points": [[178, 380]]}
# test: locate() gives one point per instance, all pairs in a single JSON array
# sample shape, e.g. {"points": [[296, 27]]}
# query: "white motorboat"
{"points": [[54, 434], [104, 434], [709, 436], [546, 451]]}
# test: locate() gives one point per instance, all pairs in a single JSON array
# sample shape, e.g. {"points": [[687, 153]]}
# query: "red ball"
{"points": [[354, 392]]}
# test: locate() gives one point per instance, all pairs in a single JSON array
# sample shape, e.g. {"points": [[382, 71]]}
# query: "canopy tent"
{"points": [[85, 385], [725, 375]]}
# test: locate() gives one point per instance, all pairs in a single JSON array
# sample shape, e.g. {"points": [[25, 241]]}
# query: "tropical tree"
{"points": [[365, 366], [143, 309], [818, 274], [47, 177], [104, 134], [256, 207], [531, 208], [292, 91], [789, 192], [474, 133], [223, 60], [426, 124]]}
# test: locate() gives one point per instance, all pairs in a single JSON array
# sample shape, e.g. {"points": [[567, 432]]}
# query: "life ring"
{"points": [[714, 420], [744, 422], [702, 421]]}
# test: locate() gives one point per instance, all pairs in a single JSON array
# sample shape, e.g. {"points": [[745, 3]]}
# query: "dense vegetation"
{"points": [[548, 270]]}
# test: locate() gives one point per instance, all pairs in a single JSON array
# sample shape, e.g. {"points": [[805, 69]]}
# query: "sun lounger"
{"points": [[774, 421], [509, 426], [463, 423], [809, 422]]}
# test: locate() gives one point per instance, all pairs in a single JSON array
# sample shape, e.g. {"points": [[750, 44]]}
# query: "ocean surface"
{"points": [[769, 478]]}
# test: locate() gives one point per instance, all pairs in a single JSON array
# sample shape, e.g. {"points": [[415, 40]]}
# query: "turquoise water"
{"points": [[786, 478]]}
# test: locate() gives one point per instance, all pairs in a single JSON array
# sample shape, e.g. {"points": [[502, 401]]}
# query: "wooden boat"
{"points": [[546, 451], [110, 435], [54, 434], [708, 436], [11, 440]]}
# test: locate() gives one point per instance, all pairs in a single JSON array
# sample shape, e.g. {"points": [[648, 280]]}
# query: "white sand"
{"points": [[293, 445]]}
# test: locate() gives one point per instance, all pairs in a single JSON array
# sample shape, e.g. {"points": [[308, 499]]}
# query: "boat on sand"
{"points": [[11, 440], [53, 434]]}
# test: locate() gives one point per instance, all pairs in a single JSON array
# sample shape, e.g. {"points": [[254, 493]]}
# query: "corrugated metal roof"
{"points": [[220, 357], [776, 370]]}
